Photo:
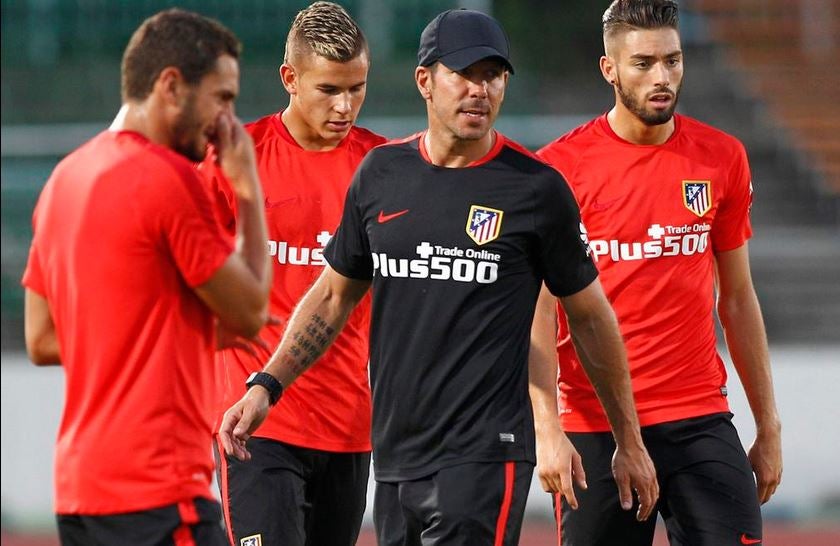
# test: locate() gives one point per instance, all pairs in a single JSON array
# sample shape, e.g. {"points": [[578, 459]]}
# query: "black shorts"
{"points": [[191, 523], [707, 492], [293, 496], [471, 504]]}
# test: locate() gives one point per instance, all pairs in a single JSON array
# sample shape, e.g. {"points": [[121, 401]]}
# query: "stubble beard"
{"points": [[469, 133], [186, 130], [649, 118]]}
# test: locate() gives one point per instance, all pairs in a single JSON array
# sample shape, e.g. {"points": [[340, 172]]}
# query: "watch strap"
{"points": [[269, 382]]}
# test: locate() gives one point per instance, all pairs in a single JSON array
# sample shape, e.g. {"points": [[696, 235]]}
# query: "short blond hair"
{"points": [[327, 30]]}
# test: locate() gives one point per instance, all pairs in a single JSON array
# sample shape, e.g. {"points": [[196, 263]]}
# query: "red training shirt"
{"points": [[328, 407], [655, 216], [123, 230]]}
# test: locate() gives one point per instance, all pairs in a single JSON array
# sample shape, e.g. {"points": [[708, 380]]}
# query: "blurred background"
{"points": [[763, 70]]}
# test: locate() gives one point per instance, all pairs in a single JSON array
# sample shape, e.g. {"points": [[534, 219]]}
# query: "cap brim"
{"points": [[461, 59]]}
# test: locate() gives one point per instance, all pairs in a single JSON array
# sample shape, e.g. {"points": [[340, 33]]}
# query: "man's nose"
{"points": [[343, 104], [478, 88]]}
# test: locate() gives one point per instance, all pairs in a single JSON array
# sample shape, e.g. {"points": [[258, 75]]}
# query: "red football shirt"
{"points": [[328, 407], [122, 230], [655, 216]]}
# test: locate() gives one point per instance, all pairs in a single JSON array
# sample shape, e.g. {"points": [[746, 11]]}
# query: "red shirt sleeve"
{"points": [[560, 155], [33, 276], [732, 227], [186, 221]]}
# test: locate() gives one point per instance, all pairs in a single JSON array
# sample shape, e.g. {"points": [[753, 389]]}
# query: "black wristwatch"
{"points": [[271, 384]]}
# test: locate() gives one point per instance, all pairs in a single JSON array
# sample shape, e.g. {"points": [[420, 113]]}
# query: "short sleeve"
{"points": [[33, 275], [732, 227], [564, 253], [348, 251], [190, 228]]}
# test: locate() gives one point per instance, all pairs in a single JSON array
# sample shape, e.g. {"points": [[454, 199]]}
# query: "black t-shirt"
{"points": [[456, 257]]}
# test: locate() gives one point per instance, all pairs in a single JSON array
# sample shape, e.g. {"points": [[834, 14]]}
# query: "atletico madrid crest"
{"points": [[484, 224], [697, 196]]}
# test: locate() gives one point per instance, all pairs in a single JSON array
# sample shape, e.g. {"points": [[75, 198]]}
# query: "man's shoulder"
{"points": [[523, 159], [262, 127], [577, 137], [99, 148], [110, 150], [544, 181], [389, 150], [699, 131], [149, 174], [569, 146], [387, 162], [365, 137]]}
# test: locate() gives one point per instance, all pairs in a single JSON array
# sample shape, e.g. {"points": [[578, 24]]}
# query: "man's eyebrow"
{"points": [[675, 53]]}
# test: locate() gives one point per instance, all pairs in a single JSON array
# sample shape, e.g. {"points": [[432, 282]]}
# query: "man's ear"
{"points": [[423, 78], [289, 77], [170, 86], [608, 69]]}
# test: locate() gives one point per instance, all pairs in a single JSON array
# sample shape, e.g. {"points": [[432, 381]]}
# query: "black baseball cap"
{"points": [[461, 37]]}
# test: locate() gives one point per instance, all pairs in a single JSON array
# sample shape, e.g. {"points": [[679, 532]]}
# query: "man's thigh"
{"points": [[708, 490], [263, 499], [197, 521], [468, 504], [599, 519], [484, 500], [336, 494], [71, 530], [395, 526]]}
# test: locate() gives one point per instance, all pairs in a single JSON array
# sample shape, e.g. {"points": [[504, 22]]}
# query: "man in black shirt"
{"points": [[455, 229]]}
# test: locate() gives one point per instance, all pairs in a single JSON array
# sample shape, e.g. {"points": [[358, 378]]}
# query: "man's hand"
{"points": [[241, 420], [559, 465], [256, 346], [633, 471], [765, 456], [236, 155], [746, 339]]}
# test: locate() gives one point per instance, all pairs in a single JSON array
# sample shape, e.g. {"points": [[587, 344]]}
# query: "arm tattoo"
{"points": [[309, 343]]}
